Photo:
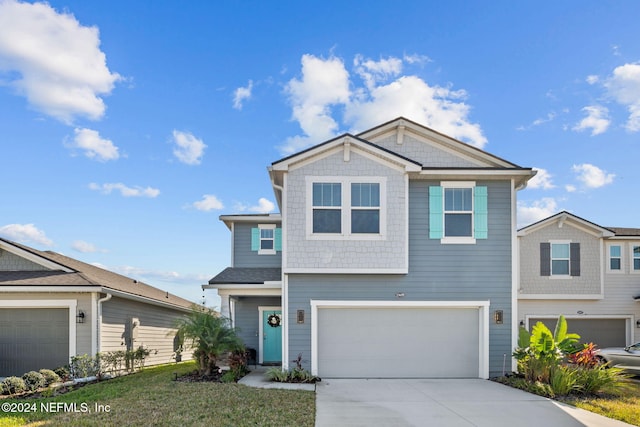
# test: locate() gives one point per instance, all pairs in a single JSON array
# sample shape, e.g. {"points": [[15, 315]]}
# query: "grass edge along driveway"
{"points": [[152, 397]]}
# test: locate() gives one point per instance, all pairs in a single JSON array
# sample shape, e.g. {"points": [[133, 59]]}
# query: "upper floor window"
{"points": [[266, 239], [560, 259], [346, 207], [615, 257], [458, 212], [636, 258], [365, 207], [327, 207]]}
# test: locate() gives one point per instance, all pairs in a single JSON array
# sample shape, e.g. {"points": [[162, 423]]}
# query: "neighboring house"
{"points": [[398, 258], [588, 273], [53, 307]]}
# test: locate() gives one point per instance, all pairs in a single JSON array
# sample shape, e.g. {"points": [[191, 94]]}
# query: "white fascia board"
{"points": [[519, 175], [250, 292], [568, 219], [50, 289]]}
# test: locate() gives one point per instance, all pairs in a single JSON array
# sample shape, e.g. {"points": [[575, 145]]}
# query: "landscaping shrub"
{"points": [[112, 361], [63, 373], [563, 380], [50, 377], [601, 379], [84, 366], [33, 380], [13, 385]]}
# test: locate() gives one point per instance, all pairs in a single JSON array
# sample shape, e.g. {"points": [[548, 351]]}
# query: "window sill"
{"points": [[267, 252], [458, 241], [560, 277], [354, 237]]}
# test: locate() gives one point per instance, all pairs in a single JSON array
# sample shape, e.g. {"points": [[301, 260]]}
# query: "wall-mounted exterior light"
{"points": [[80, 316], [498, 317]]}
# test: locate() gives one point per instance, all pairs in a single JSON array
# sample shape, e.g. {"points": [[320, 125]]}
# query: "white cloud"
{"points": [[241, 94], [592, 79], [624, 86], [324, 83], [94, 146], [539, 121], [537, 210], [592, 176], [85, 247], [208, 203], [124, 190], [58, 64], [263, 206], [570, 188], [542, 180], [326, 88], [416, 59], [189, 149], [373, 72], [25, 233], [597, 120]]}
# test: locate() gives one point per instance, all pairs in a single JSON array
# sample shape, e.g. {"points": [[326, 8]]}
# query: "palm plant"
{"points": [[209, 334]]}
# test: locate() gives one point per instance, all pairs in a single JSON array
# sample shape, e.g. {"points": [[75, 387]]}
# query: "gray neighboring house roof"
{"points": [[84, 274], [247, 275], [621, 231]]}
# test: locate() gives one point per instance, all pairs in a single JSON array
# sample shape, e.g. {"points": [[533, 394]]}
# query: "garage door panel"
{"points": [[398, 342], [32, 339]]}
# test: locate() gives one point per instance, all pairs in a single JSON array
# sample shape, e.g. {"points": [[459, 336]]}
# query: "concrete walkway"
{"points": [[256, 378], [442, 403]]}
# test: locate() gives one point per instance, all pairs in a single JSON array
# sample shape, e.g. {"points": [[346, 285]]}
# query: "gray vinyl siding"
{"points": [[243, 256], [247, 321], [437, 272], [155, 333]]}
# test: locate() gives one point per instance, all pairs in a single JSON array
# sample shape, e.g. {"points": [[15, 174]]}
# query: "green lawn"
{"points": [[152, 397], [625, 407]]}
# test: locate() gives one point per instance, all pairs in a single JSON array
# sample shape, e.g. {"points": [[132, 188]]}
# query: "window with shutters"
{"points": [[635, 256], [458, 212], [266, 239], [560, 259]]}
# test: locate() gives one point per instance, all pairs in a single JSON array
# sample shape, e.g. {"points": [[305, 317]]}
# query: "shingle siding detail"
{"points": [[531, 280], [12, 262], [427, 154], [389, 253]]}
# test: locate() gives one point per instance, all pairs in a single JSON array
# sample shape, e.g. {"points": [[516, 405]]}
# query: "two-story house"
{"points": [[395, 255], [584, 271]]}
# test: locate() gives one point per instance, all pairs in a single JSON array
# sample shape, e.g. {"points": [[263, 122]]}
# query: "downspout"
{"points": [[100, 301]]}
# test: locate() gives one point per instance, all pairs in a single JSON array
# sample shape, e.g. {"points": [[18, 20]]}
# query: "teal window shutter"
{"points": [[255, 239], [278, 239], [435, 213], [480, 213]]}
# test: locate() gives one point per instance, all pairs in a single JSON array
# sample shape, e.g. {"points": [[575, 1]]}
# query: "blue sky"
{"points": [[127, 128]]}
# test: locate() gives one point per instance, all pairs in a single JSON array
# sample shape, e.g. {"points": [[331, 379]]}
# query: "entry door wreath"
{"points": [[273, 320]]}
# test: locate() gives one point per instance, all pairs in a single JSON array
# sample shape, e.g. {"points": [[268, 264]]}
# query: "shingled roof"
{"points": [[83, 274], [239, 275]]}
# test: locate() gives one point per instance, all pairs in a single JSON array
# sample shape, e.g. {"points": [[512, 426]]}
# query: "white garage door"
{"points": [[398, 342]]}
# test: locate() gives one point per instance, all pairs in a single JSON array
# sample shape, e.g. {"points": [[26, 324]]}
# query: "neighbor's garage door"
{"points": [[398, 342], [32, 339], [602, 332]]}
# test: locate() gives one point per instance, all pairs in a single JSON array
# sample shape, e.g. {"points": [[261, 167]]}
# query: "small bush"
{"points": [[563, 380], [63, 373], [277, 375], [50, 377], [295, 375], [84, 366], [33, 380], [13, 385], [228, 377], [601, 379], [112, 361]]}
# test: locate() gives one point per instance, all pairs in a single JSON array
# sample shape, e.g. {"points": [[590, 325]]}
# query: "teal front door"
{"points": [[272, 336]]}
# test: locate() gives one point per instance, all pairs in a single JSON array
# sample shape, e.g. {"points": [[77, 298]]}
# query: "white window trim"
{"points": [[266, 251], [552, 276], [458, 240], [631, 258], [345, 207], [608, 266]]}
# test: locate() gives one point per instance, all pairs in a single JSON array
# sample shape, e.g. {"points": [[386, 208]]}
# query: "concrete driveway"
{"points": [[441, 403]]}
